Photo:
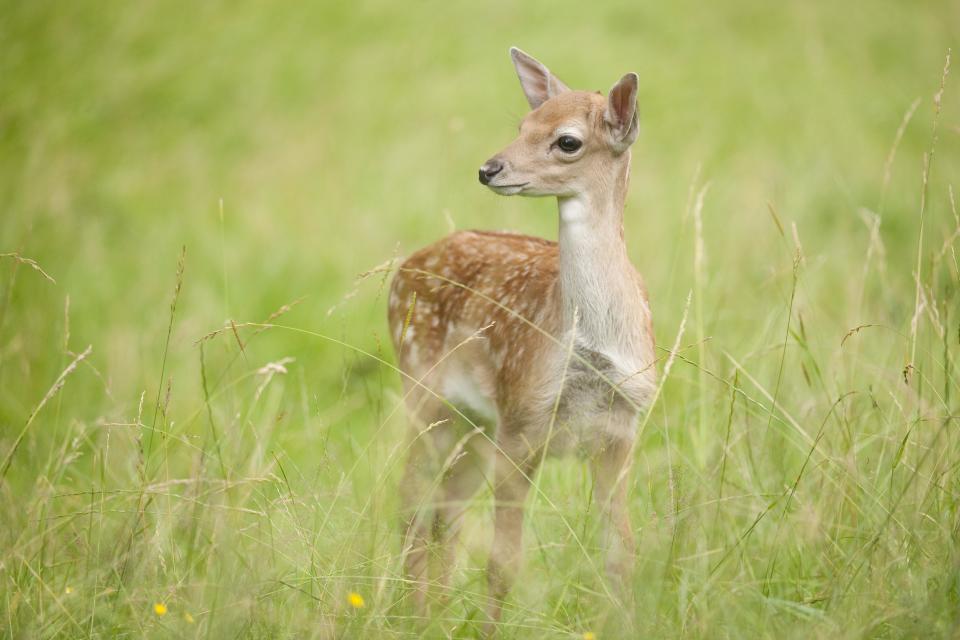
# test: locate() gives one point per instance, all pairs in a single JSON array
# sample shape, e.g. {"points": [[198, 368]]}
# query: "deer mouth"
{"points": [[508, 189]]}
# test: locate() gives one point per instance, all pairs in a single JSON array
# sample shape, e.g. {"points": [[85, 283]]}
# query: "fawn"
{"points": [[547, 346]]}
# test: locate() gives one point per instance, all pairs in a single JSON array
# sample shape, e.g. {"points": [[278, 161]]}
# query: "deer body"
{"points": [[548, 347]]}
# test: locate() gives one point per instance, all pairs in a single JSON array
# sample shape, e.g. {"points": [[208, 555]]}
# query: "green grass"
{"points": [[793, 480]]}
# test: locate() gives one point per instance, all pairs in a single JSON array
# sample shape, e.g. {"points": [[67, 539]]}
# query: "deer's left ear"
{"points": [[621, 115]]}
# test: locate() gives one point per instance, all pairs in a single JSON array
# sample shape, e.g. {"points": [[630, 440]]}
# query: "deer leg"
{"points": [[610, 468], [431, 439], [416, 511], [444, 468], [463, 476], [512, 471]]}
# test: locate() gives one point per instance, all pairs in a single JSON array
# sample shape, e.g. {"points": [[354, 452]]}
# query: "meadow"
{"points": [[201, 425]]}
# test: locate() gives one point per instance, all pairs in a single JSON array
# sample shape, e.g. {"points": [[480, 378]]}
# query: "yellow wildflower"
{"points": [[589, 635], [160, 609], [355, 600], [68, 590], [188, 617]]}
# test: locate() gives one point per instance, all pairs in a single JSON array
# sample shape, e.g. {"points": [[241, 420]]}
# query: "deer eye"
{"points": [[568, 144]]}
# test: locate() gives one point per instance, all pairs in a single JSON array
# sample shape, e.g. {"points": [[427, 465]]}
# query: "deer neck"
{"points": [[597, 282]]}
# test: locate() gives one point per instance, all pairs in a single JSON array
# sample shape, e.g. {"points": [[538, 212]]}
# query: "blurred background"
{"points": [[290, 147], [337, 137]]}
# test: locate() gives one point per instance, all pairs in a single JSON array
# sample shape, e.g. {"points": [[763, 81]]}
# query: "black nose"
{"points": [[490, 169]]}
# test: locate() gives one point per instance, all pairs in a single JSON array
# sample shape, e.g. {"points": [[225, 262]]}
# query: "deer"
{"points": [[514, 348]]}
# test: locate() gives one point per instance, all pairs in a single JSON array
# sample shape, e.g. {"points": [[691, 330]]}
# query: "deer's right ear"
{"points": [[539, 85]]}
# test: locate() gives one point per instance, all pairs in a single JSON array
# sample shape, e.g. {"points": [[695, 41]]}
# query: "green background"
{"points": [[291, 147]]}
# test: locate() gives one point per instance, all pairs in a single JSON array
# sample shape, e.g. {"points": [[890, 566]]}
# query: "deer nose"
{"points": [[490, 169]]}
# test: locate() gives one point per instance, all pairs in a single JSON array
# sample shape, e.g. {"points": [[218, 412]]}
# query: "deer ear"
{"points": [[621, 115], [539, 85]]}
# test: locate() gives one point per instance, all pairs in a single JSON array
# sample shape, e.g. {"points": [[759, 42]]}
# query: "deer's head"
{"points": [[570, 142]]}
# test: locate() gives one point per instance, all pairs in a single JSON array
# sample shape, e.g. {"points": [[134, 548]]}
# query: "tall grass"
{"points": [[229, 444]]}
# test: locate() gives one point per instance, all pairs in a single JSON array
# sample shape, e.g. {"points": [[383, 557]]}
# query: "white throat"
{"points": [[596, 277], [573, 210]]}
